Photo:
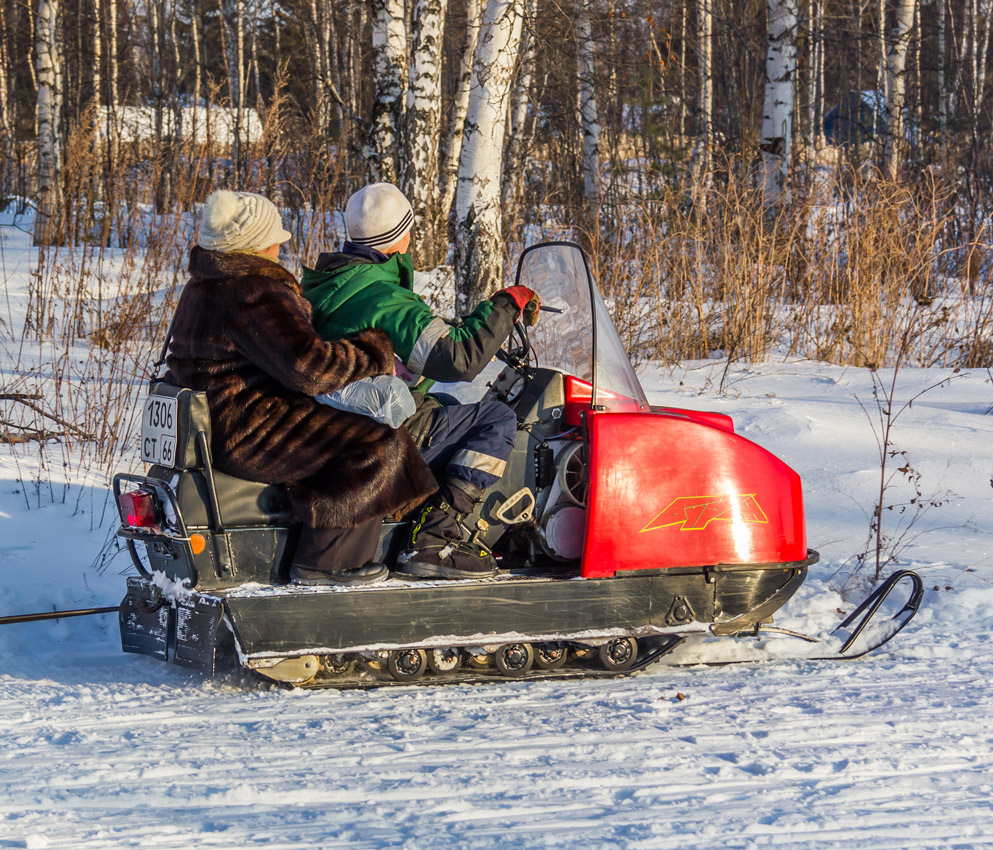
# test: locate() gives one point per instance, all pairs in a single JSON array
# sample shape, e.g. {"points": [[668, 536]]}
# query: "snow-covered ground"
{"points": [[100, 749]]}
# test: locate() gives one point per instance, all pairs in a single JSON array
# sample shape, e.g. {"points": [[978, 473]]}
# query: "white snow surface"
{"points": [[103, 750]]}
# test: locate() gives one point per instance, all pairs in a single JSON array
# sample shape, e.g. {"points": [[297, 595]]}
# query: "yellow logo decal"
{"points": [[695, 513]]}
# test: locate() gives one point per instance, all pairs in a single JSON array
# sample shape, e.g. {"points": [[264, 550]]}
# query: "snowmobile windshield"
{"points": [[577, 335]]}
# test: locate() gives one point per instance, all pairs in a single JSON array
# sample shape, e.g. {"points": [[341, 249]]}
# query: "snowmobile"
{"points": [[620, 529]]}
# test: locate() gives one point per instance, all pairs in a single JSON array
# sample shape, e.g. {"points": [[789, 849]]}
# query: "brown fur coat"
{"points": [[242, 333]]}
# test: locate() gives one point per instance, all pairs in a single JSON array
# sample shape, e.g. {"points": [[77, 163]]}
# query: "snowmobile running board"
{"points": [[191, 630], [861, 617]]}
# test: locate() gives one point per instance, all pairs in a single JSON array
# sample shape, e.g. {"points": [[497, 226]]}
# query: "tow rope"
{"points": [[54, 615]]}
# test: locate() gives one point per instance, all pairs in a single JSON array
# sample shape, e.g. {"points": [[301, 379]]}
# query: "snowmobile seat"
{"points": [[242, 503]]}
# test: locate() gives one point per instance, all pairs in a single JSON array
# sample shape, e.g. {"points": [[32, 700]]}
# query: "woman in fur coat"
{"points": [[242, 334]]}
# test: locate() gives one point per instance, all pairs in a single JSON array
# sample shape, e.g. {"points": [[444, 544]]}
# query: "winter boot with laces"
{"points": [[439, 545]]}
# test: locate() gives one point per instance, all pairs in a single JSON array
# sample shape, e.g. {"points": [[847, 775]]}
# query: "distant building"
{"points": [[196, 123]]}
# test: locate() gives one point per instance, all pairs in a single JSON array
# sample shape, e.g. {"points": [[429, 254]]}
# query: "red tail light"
{"points": [[138, 509]]}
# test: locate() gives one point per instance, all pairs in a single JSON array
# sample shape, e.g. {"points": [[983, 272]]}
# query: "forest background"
{"points": [[751, 178]]}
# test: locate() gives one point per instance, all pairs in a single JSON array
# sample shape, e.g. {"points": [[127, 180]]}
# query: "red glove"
{"points": [[527, 301], [519, 294]]}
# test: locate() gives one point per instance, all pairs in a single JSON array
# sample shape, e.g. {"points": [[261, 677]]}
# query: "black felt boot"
{"points": [[439, 544], [329, 556]]}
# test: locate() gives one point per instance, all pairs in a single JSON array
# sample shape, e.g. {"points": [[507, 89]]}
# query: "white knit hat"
{"points": [[378, 216], [240, 221]]}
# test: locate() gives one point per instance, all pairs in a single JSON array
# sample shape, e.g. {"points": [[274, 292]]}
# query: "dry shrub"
{"points": [[843, 273], [104, 288]]}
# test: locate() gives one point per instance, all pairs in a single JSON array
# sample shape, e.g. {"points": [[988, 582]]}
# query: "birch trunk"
{"points": [[452, 149], [981, 12], [96, 80], [156, 13], [896, 81], [239, 105], [857, 10], [589, 121], [478, 240], [361, 21], [817, 35], [113, 67], [197, 64], [705, 97], [881, 77], [33, 66], [419, 177], [942, 90], [389, 60], [777, 115], [49, 103], [6, 137], [253, 56], [520, 135], [319, 14], [682, 71], [277, 28], [918, 107]]}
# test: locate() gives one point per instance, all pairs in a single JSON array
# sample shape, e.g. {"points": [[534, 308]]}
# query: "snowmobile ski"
{"points": [[853, 635]]}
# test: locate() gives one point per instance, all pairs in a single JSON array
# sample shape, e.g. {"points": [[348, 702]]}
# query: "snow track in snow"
{"points": [[891, 751]]}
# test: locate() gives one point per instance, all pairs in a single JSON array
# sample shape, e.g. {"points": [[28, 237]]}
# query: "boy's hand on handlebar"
{"points": [[529, 315], [527, 302]]}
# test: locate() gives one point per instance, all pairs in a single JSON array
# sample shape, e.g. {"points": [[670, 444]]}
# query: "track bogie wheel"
{"points": [[550, 655], [619, 654], [407, 665], [338, 664], [514, 659], [446, 660], [480, 660]]}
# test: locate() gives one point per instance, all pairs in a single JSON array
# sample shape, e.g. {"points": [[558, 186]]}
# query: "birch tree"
{"points": [[6, 111], [96, 79], [157, 85], [942, 88], [452, 149], [896, 80], [705, 97], [239, 98], [521, 128], [478, 236], [320, 27], [197, 61], [881, 78], [589, 121], [980, 15], [815, 76], [419, 171], [49, 103], [389, 59], [777, 114]]}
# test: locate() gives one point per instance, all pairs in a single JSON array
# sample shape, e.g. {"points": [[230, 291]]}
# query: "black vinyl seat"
{"points": [[242, 503]]}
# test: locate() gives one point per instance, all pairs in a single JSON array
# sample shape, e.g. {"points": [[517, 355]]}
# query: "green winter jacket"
{"points": [[348, 293]]}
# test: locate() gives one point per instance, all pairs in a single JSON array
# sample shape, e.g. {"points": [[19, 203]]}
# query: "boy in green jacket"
{"points": [[369, 283]]}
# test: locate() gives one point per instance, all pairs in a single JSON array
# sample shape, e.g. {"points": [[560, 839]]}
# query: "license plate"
{"points": [[158, 431]]}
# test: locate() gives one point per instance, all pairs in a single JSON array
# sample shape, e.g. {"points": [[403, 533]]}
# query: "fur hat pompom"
{"points": [[220, 210], [240, 221]]}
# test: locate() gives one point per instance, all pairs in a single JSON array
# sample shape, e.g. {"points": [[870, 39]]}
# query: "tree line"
{"points": [[490, 114]]}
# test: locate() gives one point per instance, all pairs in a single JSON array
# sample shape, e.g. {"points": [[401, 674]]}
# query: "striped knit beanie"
{"points": [[378, 216]]}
